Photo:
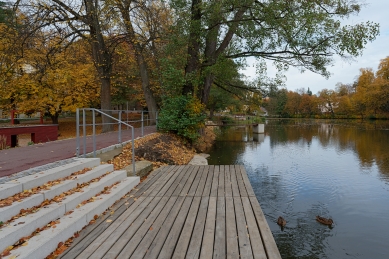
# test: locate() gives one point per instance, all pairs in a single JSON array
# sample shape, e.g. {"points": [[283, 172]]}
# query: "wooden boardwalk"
{"points": [[182, 212]]}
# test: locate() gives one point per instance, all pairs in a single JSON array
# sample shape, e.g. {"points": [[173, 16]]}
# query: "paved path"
{"points": [[22, 158], [182, 212]]}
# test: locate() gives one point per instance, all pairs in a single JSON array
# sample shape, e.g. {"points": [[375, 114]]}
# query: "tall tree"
{"points": [[85, 19], [306, 34]]}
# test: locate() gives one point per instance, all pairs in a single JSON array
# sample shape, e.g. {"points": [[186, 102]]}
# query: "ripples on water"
{"points": [[300, 171]]}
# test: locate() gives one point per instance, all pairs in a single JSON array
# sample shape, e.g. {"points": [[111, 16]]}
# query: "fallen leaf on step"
{"points": [[109, 220], [25, 243]]}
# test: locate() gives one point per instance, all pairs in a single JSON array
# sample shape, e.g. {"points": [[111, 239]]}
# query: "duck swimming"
{"points": [[281, 221], [324, 221]]}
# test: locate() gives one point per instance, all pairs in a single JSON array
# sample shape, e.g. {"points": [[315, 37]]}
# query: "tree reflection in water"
{"points": [[303, 168]]}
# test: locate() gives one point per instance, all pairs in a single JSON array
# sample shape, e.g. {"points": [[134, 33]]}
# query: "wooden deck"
{"points": [[182, 212]]}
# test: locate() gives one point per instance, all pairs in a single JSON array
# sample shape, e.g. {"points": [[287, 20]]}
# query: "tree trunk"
{"points": [[192, 64], [54, 118], [103, 61], [105, 100], [147, 92], [207, 88], [150, 100]]}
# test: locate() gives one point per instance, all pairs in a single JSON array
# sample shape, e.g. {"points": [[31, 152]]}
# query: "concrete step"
{"points": [[8, 212], [25, 183], [46, 242], [24, 226]]}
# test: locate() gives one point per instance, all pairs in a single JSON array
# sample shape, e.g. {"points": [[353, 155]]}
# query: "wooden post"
{"points": [[12, 116]]}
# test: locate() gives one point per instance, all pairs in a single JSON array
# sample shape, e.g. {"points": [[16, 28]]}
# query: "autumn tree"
{"points": [[54, 79]]}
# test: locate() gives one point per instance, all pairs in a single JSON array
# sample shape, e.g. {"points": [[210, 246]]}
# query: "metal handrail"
{"points": [[94, 131]]}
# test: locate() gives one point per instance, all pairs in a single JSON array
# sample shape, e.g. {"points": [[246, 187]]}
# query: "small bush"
{"points": [[182, 115]]}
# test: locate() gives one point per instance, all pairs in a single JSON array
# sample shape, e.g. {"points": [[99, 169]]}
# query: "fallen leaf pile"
{"points": [[27, 193], [158, 148]]}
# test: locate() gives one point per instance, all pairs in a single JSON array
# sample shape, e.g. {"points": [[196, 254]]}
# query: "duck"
{"points": [[281, 221], [324, 221]]}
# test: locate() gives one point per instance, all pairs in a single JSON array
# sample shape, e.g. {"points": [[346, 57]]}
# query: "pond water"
{"points": [[303, 168]]}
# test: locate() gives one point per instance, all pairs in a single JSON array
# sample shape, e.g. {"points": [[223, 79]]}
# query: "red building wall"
{"points": [[39, 133]]}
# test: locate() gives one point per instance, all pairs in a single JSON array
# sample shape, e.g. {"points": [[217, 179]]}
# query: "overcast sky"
{"points": [[346, 72]]}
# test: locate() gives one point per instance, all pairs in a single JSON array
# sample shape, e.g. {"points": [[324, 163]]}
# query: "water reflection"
{"points": [[300, 169]]}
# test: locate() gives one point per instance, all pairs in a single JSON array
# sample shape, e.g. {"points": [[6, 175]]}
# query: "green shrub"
{"points": [[182, 115]]}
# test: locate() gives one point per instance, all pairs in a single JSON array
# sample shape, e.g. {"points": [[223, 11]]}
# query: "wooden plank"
{"points": [[168, 190], [149, 184], [132, 244], [197, 236], [183, 241], [234, 182], [204, 176], [196, 181], [267, 237], [215, 182], [93, 231], [183, 181], [221, 186], [175, 232], [245, 250], [209, 231], [161, 227], [131, 214], [227, 180], [246, 181], [208, 182], [164, 242], [219, 249], [167, 180], [188, 184], [115, 243], [255, 236], [242, 187], [231, 233]]}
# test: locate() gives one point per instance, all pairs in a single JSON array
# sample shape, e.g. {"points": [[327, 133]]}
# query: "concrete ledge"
{"points": [[6, 213], [9, 189], [199, 159], [24, 226], [38, 179], [142, 168], [73, 200], [9, 236], [42, 245], [94, 173]]}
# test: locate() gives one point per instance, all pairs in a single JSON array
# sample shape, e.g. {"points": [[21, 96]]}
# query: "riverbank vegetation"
{"points": [[57, 55], [367, 97]]}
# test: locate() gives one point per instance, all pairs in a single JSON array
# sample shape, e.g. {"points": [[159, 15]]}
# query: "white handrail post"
{"points": [[142, 123], [133, 150], [120, 126], [94, 133], [78, 132], [84, 130]]}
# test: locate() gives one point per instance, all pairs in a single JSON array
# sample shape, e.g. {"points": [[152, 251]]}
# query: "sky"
{"points": [[344, 71]]}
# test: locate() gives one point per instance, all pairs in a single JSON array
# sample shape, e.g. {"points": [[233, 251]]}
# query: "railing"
{"points": [[118, 121]]}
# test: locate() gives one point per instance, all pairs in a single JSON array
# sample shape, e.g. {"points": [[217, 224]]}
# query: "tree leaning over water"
{"points": [[305, 34]]}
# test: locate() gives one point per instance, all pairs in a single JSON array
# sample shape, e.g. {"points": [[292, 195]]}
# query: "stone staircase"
{"points": [[52, 205]]}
